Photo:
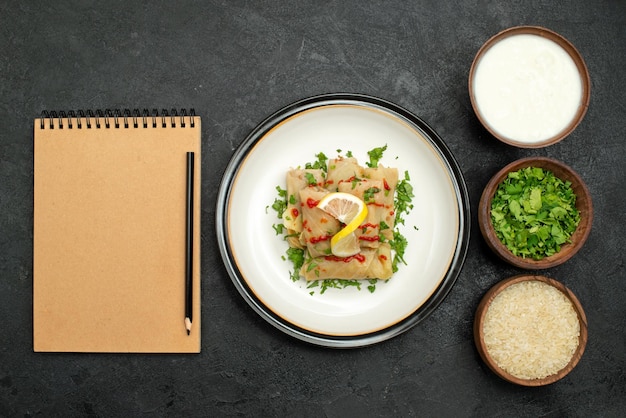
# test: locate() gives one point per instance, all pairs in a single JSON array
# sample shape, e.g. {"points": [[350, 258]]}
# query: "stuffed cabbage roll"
{"points": [[382, 208], [370, 263], [342, 170], [298, 179], [318, 227], [377, 190]]}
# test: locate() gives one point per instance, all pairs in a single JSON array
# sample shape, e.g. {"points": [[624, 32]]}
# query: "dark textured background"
{"points": [[236, 62]]}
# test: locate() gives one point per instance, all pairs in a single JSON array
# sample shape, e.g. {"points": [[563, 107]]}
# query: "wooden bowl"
{"points": [[479, 337], [565, 45], [583, 204]]}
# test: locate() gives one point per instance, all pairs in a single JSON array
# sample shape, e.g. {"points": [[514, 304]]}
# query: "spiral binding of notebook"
{"points": [[117, 118]]}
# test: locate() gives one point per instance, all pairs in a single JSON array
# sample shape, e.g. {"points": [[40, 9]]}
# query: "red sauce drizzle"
{"points": [[386, 185], [295, 212], [315, 240], [371, 238], [311, 203], [349, 180], [358, 257]]}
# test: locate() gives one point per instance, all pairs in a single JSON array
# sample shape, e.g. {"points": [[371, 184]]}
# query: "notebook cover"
{"points": [[109, 237]]}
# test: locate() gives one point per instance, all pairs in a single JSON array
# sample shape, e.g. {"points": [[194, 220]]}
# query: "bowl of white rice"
{"points": [[530, 330]]}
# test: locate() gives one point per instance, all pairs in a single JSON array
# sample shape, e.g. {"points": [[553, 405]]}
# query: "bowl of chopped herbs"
{"points": [[535, 213]]}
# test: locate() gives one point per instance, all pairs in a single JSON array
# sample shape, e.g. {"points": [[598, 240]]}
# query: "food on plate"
{"points": [[339, 218], [360, 250]]}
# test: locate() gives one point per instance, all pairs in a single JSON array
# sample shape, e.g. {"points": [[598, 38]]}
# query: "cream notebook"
{"points": [[109, 245]]}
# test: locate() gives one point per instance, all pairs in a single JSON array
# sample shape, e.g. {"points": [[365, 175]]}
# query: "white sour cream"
{"points": [[527, 88]]}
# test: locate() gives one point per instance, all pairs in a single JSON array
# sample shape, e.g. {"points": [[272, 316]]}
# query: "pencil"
{"points": [[189, 245]]}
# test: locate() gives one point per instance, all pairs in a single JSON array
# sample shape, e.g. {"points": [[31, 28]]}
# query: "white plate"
{"points": [[437, 229]]}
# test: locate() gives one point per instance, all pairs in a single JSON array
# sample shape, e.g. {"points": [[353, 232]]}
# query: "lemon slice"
{"points": [[349, 210], [345, 246]]}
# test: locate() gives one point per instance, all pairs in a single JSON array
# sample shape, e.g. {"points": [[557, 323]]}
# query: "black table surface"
{"points": [[235, 63]]}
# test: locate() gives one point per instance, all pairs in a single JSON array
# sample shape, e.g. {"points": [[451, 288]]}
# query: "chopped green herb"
{"points": [[310, 179], [534, 212], [404, 198], [368, 195], [296, 256], [280, 203], [398, 244], [321, 163], [311, 266], [338, 284], [375, 155]]}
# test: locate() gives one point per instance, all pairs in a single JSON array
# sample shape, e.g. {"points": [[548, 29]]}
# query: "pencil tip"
{"points": [[188, 332], [188, 325]]}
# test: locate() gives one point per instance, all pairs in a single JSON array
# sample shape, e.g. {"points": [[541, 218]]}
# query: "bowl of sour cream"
{"points": [[529, 86]]}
